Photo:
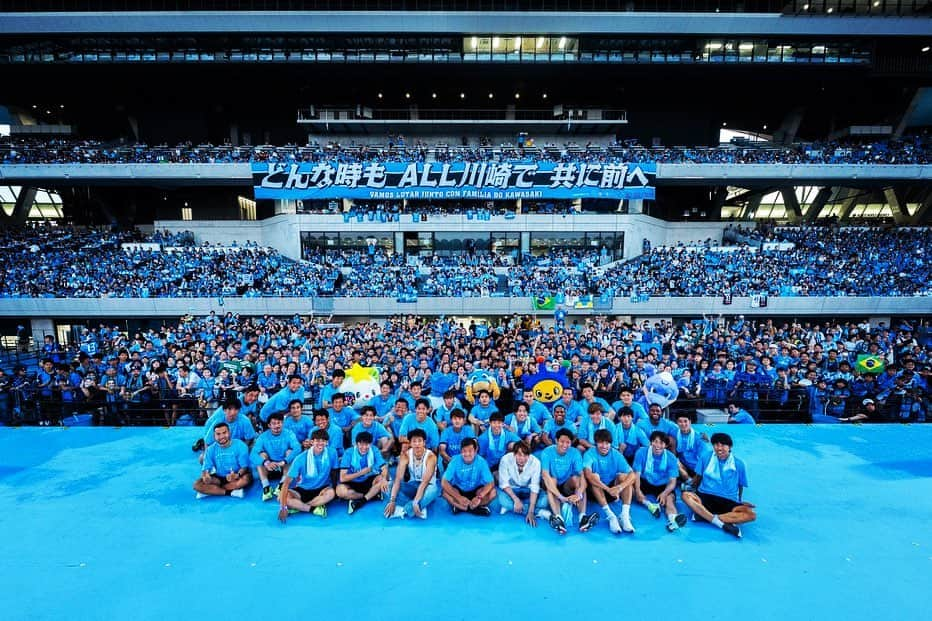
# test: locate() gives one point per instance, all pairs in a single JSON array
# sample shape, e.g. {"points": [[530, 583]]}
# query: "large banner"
{"points": [[454, 180]]}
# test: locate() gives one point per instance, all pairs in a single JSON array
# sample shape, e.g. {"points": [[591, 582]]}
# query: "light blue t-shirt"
{"points": [[428, 425], [664, 425], [276, 447], [222, 461], [483, 412], [301, 428], [353, 462], [690, 448], [607, 467], [561, 467], [453, 438], [468, 477], [377, 430], [525, 429], [656, 470], [240, 429], [723, 480], [639, 412], [587, 429], [633, 438], [324, 463], [279, 402], [493, 447], [344, 417]]}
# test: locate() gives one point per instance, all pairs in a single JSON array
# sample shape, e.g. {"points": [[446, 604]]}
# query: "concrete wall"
{"points": [[656, 307], [283, 231]]}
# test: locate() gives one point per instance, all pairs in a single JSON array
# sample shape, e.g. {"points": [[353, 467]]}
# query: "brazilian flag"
{"points": [[544, 302], [867, 363]]}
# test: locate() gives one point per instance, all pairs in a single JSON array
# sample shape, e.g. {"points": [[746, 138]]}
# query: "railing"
{"points": [[578, 115]]}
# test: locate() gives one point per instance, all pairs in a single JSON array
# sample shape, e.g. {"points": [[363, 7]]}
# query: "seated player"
{"points": [[573, 410], [626, 400], [419, 420], [399, 413], [467, 481], [656, 422], [442, 413], [311, 474], [592, 422], [657, 472], [559, 421], [481, 411], [609, 479], [226, 466], [537, 410], [381, 437], [719, 497], [690, 447], [452, 437], [279, 402], [342, 415], [239, 426], [272, 452], [299, 424], [522, 424], [363, 474], [519, 483], [322, 421], [496, 441], [587, 398], [417, 487], [562, 473], [628, 436]]}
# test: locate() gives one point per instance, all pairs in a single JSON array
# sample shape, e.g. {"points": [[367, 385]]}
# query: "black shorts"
{"points": [[467, 495], [649, 489], [307, 495], [361, 487], [717, 505], [275, 475], [689, 471]]}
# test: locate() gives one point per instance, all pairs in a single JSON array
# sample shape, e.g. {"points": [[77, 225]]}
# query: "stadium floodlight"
{"points": [[805, 7], [491, 95], [545, 95], [517, 95], [830, 10], [407, 95], [462, 95], [380, 95], [433, 95], [925, 49]]}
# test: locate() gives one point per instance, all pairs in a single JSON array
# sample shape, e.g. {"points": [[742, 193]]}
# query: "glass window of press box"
{"points": [[314, 243], [555, 243]]}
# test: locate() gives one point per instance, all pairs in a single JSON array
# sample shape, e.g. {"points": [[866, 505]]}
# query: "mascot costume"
{"points": [[659, 388], [361, 385], [479, 380]]}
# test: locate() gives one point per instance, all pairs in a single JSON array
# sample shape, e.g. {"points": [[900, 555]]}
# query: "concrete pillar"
{"points": [[24, 203], [791, 203], [896, 205], [818, 203]]}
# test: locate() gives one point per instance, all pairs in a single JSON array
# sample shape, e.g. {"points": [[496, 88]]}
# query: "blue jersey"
{"points": [[301, 428], [633, 438], [313, 475], [584, 406], [656, 470], [561, 467], [493, 447], [382, 406], [639, 412], [722, 478], [539, 412], [483, 412], [279, 402], [468, 477], [343, 418], [664, 425], [690, 448], [742, 417], [551, 428], [240, 429], [353, 462], [607, 467], [442, 413], [453, 438], [428, 425], [522, 430], [222, 461], [326, 394], [377, 430], [587, 429], [276, 447], [335, 435], [574, 411]]}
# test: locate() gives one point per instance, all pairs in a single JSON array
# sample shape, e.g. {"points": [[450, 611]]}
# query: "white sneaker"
{"points": [[423, 515], [237, 493], [626, 524], [399, 513], [613, 524], [200, 495], [502, 511], [543, 514]]}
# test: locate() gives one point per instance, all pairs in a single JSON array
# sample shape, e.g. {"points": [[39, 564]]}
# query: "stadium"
{"points": [[392, 300]]}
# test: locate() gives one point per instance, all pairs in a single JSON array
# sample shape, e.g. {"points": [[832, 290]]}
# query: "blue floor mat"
{"points": [[102, 523]]}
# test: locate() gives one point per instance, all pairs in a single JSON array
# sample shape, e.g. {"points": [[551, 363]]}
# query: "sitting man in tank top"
{"points": [[415, 485]]}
